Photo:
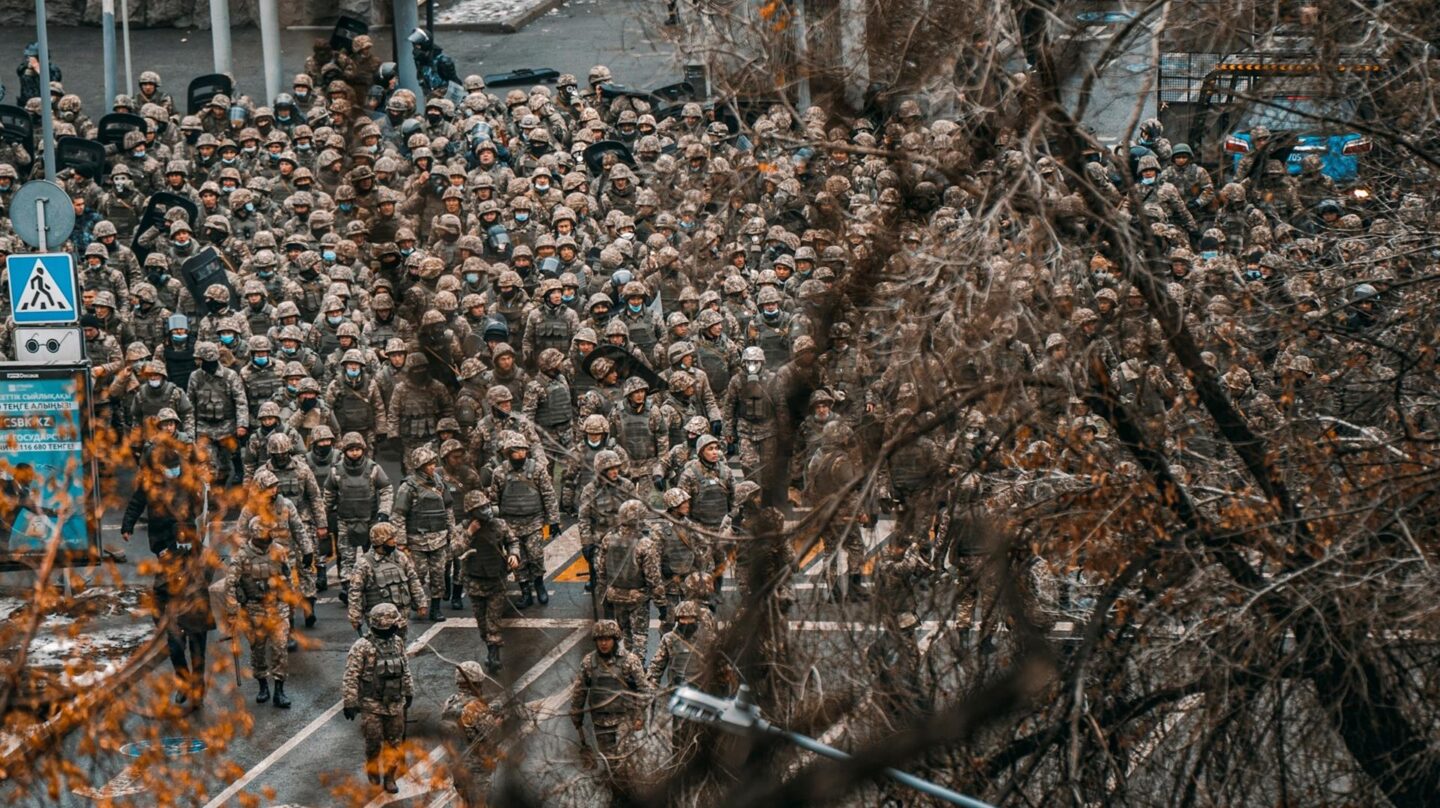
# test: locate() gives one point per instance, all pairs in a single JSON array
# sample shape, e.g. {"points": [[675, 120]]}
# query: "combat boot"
{"points": [[281, 701], [322, 577], [527, 598], [372, 770], [541, 593], [457, 598], [435, 615], [310, 617], [264, 694], [492, 659], [390, 786], [857, 587], [345, 592]]}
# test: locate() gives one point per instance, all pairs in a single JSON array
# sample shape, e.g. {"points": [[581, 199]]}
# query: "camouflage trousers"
{"points": [[221, 451], [634, 620], [532, 555], [752, 450], [852, 545], [430, 567], [268, 630], [379, 729], [487, 597], [307, 572], [351, 538]]}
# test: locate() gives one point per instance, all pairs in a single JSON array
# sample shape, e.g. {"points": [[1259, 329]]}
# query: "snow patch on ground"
{"points": [[111, 643], [485, 11]]}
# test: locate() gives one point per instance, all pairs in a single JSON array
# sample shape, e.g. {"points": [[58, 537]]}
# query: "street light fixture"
{"points": [[740, 716]]}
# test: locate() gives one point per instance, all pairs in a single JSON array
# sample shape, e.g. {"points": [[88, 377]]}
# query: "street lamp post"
{"points": [[740, 716]]}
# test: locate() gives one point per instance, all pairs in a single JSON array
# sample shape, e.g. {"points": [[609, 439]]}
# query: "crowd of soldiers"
{"points": [[428, 279]]}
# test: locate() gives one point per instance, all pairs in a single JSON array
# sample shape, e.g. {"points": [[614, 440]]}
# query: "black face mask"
{"points": [[280, 461], [210, 366], [261, 543], [384, 549], [687, 630], [517, 463], [308, 404], [215, 306], [384, 633], [323, 452]]}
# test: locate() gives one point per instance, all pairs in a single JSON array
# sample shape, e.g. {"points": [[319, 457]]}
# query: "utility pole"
{"points": [[47, 122], [802, 56], [407, 19], [220, 35], [125, 30], [270, 48], [107, 40]]}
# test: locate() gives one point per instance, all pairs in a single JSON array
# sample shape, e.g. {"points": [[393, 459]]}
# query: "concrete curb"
{"points": [[509, 26]]}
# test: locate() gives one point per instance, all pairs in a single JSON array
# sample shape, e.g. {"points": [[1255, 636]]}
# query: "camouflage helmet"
{"points": [[384, 533], [470, 368], [476, 499], [595, 423], [687, 610], [551, 360], [268, 409], [450, 446], [265, 479], [675, 497], [635, 384], [605, 630], [498, 394], [351, 440], [631, 512], [384, 615], [416, 361], [278, 444], [422, 457], [136, 350], [470, 676], [166, 415], [320, 433], [681, 380], [207, 351], [512, 441], [156, 368], [606, 460]]}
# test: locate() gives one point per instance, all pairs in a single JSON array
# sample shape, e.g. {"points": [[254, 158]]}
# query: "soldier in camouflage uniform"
{"points": [[355, 398], [257, 582], [524, 496], [753, 411], [417, 405], [600, 503], [261, 375], [580, 463], [298, 485], [639, 425], [627, 570], [222, 411], [378, 687], [475, 726], [255, 453], [612, 689], [150, 398], [470, 398], [710, 484], [488, 553], [684, 551], [358, 494], [837, 463], [423, 515], [383, 574], [499, 418], [679, 661], [548, 403]]}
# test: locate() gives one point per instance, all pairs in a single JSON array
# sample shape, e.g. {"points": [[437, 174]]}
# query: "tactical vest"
{"points": [[583, 382], [122, 214], [635, 433], [355, 498], [623, 566], [152, 402], [514, 314], [289, 478], [329, 339], [685, 662], [553, 410], [685, 410], [908, 470], [259, 321], [418, 413], [487, 562], [677, 558], [260, 385], [712, 502], [427, 510], [353, 411], [312, 295], [520, 498], [213, 404], [385, 680], [100, 281], [774, 339], [387, 584], [713, 362], [552, 331], [642, 332], [378, 333], [179, 362], [605, 513], [605, 699], [256, 570]]}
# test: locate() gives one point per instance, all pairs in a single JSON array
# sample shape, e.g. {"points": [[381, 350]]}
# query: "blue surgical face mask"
{"points": [[179, 339], [290, 351], [334, 319], [522, 217], [266, 274], [227, 160], [346, 207], [472, 277], [274, 157], [172, 472], [567, 297], [261, 361], [406, 250], [138, 154], [1147, 180], [249, 207], [301, 146], [292, 388], [155, 383], [328, 255], [352, 373], [1209, 254], [635, 308], [227, 339]]}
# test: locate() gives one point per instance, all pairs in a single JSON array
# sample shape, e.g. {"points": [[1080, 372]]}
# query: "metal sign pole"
{"points": [[40, 217], [270, 47], [125, 30], [107, 37], [47, 123], [220, 34]]}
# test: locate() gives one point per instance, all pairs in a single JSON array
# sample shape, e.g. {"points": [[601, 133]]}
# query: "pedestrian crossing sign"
{"points": [[43, 290]]}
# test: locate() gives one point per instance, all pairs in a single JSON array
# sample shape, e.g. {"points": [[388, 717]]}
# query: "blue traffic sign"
{"points": [[43, 289]]}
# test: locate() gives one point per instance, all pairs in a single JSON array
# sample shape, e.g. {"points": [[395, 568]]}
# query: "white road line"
{"points": [[547, 661], [416, 782], [126, 783], [561, 549], [310, 729]]}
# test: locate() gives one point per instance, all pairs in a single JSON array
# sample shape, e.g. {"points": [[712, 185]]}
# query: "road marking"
{"points": [[309, 729], [560, 550], [547, 661], [126, 783], [416, 782]]}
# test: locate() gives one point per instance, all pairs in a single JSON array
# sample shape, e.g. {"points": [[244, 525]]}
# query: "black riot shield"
{"points": [[626, 364], [204, 88]]}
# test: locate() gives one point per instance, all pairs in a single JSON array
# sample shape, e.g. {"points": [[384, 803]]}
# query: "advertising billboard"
{"points": [[47, 478]]}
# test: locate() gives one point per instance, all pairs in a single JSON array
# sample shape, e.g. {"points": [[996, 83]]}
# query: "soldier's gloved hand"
{"points": [[350, 713], [716, 427], [307, 560], [659, 480], [664, 612], [382, 517], [554, 529], [410, 699]]}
